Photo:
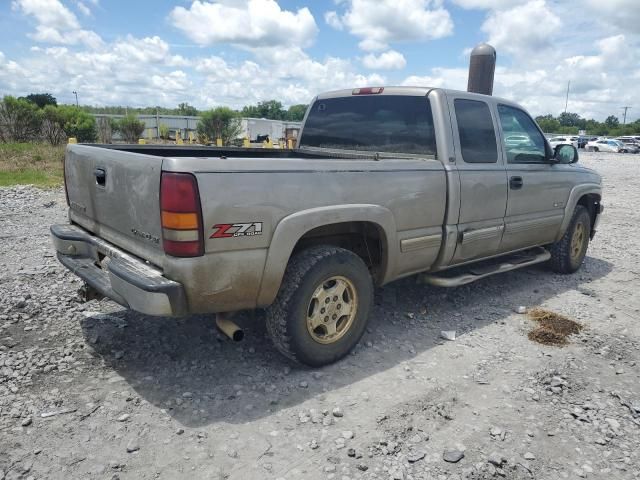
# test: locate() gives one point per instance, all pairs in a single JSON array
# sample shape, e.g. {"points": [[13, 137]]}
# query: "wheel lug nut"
{"points": [[335, 298], [327, 300], [322, 310], [339, 306], [334, 316], [326, 319]]}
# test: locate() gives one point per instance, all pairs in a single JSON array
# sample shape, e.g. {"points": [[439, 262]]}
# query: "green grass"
{"points": [[31, 163]]}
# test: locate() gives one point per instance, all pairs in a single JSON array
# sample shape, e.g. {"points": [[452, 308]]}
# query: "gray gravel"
{"points": [[91, 391]]}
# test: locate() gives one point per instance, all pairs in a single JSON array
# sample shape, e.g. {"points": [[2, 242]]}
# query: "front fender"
{"points": [[576, 193], [292, 228]]}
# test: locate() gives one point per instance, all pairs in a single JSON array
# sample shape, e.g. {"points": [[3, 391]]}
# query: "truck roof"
{"points": [[410, 91]]}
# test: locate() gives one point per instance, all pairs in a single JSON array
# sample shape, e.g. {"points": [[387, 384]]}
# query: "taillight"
{"points": [[181, 215], [367, 91]]}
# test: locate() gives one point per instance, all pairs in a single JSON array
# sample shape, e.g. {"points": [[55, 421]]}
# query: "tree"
{"points": [[221, 122], [271, 109], [53, 125], [568, 119], [612, 121], [548, 124], [130, 127], [187, 110], [42, 99], [20, 120], [164, 131], [296, 112]]}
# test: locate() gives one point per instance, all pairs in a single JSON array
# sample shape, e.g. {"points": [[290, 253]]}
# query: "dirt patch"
{"points": [[553, 328]]}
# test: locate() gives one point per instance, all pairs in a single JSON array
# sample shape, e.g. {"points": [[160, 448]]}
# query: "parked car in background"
{"points": [[517, 141], [555, 141], [605, 145], [629, 145], [582, 141]]}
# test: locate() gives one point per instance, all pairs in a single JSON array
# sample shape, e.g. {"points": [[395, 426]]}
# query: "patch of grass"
{"points": [[553, 328], [31, 163]]}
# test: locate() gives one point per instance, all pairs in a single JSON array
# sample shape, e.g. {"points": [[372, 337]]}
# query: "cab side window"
{"points": [[475, 128], [523, 141]]}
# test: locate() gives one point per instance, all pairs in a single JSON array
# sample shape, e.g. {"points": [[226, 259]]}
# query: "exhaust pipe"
{"points": [[482, 67], [229, 327]]}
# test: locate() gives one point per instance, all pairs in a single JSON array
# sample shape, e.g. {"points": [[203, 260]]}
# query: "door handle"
{"points": [[101, 176], [515, 183]]}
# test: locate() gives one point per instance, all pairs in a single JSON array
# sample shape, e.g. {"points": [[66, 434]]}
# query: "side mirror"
{"points": [[565, 153]]}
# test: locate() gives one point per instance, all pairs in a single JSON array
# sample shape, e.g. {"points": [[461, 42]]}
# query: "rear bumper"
{"points": [[126, 279]]}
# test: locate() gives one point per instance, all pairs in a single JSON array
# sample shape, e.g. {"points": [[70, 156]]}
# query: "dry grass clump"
{"points": [[553, 328]]}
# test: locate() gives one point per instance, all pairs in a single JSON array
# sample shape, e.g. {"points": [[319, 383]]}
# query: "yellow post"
{"points": [[289, 143], [149, 133], [218, 142], [73, 140], [268, 144], [245, 142], [191, 137], [142, 141], [179, 138]]}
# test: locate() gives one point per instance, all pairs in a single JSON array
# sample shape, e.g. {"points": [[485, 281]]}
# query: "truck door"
{"points": [[538, 190], [483, 179]]}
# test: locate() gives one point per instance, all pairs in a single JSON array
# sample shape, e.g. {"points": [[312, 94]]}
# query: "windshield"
{"points": [[372, 123]]}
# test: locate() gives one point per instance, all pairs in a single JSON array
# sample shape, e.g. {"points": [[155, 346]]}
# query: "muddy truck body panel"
{"points": [[409, 179]]}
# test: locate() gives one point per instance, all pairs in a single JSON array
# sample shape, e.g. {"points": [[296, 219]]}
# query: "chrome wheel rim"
{"points": [[577, 241], [332, 310]]}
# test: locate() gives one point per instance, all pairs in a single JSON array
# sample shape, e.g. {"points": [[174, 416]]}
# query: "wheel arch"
{"points": [[338, 225], [587, 195]]}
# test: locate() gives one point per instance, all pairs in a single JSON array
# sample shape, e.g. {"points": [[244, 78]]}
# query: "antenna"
{"points": [[566, 103], [624, 118]]}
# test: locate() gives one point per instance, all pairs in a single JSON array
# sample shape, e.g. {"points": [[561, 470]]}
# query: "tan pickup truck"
{"points": [[385, 182]]}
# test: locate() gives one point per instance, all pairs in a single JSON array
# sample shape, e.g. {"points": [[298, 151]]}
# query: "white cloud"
{"points": [[333, 20], [381, 22], [523, 29], [390, 60], [250, 23], [621, 13], [56, 23], [487, 4]]}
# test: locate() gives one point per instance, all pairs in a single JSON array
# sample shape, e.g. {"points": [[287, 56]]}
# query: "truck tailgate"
{"points": [[115, 195]]}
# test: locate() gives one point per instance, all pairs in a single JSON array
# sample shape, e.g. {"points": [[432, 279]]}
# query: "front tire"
{"points": [[323, 305], [568, 253]]}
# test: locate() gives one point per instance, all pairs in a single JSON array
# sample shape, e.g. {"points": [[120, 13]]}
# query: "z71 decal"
{"points": [[228, 230]]}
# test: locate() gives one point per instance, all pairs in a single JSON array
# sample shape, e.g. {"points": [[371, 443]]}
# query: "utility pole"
{"points": [[76, 94], [624, 117], [566, 103]]}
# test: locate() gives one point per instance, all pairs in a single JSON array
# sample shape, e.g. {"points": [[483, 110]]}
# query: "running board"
{"points": [[471, 273]]}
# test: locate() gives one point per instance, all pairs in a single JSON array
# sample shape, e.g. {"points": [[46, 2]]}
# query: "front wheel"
{"points": [[323, 305], [568, 253]]}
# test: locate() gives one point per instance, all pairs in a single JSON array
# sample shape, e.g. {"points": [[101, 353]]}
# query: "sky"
{"points": [[237, 52]]}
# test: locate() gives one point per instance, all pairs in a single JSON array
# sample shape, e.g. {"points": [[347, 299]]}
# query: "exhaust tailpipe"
{"points": [[482, 67], [229, 327]]}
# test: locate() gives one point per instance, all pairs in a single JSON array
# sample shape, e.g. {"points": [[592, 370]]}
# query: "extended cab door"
{"points": [[483, 179], [538, 189]]}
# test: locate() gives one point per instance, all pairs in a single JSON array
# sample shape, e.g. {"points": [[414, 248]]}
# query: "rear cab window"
{"points": [[372, 123], [476, 132]]}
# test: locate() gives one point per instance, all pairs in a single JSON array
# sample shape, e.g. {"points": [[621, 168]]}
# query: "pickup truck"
{"points": [[384, 182]]}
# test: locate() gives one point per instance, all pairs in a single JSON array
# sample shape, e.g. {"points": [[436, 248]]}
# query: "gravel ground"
{"points": [[89, 390]]}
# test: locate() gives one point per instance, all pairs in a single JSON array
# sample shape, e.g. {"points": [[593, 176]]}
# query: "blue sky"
{"points": [[235, 52]]}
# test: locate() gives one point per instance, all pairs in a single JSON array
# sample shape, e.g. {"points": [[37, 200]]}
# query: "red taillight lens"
{"points": [[181, 215]]}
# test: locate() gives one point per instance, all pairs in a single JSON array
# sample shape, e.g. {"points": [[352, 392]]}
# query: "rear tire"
{"points": [[568, 253], [323, 305], [596, 149]]}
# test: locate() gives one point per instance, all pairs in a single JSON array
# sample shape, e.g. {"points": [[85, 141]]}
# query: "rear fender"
{"points": [[292, 228]]}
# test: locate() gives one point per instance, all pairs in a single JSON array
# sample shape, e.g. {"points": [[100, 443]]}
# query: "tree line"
{"points": [[572, 123], [38, 116]]}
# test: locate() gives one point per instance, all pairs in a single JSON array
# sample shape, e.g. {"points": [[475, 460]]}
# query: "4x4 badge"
{"points": [[228, 230]]}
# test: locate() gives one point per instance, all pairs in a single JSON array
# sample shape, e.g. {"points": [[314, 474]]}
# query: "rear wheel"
{"points": [[323, 305], [568, 253], [596, 149]]}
